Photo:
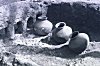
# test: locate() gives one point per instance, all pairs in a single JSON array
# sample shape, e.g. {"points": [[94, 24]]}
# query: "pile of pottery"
{"points": [[61, 33]]}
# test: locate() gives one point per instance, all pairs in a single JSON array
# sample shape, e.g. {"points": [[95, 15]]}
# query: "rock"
{"points": [[79, 42], [3, 25]]}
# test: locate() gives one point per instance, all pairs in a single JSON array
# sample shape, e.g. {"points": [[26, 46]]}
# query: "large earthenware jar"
{"points": [[42, 27], [61, 33], [79, 42]]}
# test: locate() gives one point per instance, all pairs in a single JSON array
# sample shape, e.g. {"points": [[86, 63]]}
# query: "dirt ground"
{"points": [[22, 55]]}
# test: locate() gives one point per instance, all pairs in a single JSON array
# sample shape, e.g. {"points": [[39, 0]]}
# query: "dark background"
{"points": [[79, 16]]}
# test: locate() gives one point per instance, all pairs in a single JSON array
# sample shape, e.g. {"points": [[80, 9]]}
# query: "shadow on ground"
{"points": [[63, 52], [94, 54]]}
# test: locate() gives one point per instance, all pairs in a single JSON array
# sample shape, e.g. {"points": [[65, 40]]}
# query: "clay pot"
{"points": [[61, 33], [79, 42], [42, 27]]}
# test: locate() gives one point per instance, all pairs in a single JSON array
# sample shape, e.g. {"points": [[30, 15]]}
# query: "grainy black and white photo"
{"points": [[49, 32]]}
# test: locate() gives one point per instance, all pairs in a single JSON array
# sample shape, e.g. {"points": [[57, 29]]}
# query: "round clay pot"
{"points": [[61, 33], [79, 42], [43, 27]]}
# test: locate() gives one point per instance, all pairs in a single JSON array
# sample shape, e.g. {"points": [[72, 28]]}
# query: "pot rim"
{"points": [[58, 24]]}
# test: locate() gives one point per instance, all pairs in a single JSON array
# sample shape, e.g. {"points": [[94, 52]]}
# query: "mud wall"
{"points": [[81, 17], [5, 2]]}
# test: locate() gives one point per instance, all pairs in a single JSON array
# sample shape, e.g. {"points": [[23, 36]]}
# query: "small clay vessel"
{"points": [[79, 42], [42, 26], [61, 33]]}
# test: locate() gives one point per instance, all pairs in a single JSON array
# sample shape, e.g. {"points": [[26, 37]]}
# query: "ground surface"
{"points": [[24, 55]]}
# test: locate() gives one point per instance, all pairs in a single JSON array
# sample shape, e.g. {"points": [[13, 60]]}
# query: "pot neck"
{"points": [[74, 34]]}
